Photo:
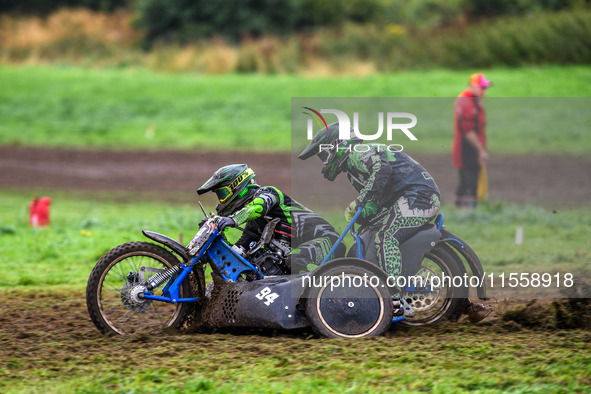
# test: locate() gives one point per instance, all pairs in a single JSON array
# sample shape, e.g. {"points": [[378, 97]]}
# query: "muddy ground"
{"points": [[46, 336], [49, 344], [551, 180]]}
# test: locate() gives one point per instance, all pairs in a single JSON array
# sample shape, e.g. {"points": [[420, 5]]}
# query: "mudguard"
{"points": [[267, 303], [471, 258], [171, 243], [412, 250]]}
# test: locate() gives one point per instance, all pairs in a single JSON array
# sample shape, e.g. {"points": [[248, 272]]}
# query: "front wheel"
{"points": [[349, 301], [114, 291], [436, 301]]}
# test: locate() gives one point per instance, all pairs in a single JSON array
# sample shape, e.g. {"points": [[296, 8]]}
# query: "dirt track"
{"points": [[49, 342], [551, 180], [49, 345]]}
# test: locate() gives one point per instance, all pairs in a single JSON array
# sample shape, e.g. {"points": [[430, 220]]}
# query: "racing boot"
{"points": [[477, 312]]}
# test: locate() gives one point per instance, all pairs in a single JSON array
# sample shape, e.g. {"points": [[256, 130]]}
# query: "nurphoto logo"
{"points": [[345, 124], [393, 123]]}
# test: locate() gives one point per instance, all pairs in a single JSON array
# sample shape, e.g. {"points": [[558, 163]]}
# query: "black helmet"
{"points": [[333, 156], [233, 185]]}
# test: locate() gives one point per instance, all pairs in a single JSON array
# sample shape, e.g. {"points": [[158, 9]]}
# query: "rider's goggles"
{"points": [[225, 192]]}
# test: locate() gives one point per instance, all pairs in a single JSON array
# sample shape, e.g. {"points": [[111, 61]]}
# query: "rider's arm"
{"points": [[246, 238], [260, 206]]}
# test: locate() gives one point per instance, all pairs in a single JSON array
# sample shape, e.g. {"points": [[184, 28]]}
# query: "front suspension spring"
{"points": [[162, 277]]}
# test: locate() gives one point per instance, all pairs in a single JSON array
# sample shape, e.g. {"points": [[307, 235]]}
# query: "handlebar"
{"points": [[349, 227]]}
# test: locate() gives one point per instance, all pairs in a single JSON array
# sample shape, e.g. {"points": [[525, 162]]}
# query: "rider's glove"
{"points": [[224, 222]]}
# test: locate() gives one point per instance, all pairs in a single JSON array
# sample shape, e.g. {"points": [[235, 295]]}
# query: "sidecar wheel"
{"points": [[113, 287], [352, 308]]}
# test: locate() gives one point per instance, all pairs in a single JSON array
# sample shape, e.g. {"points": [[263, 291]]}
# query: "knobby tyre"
{"points": [[433, 304], [113, 283]]}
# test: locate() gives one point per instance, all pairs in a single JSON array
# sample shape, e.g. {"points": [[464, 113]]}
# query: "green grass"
{"points": [[439, 360], [49, 344], [217, 363], [514, 125], [83, 230], [129, 109]]}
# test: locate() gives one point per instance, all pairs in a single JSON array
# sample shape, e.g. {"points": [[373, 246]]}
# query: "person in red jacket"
{"points": [[469, 152]]}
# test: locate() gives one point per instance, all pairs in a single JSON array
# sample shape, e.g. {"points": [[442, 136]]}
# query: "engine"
{"points": [[270, 263], [269, 254]]}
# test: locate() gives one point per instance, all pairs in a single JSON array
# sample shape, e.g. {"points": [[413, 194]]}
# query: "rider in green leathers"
{"points": [[244, 203]]}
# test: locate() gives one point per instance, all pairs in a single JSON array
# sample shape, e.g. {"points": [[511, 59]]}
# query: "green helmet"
{"points": [[234, 185], [330, 149]]}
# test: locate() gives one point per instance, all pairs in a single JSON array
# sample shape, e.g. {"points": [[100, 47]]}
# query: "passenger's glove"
{"points": [[351, 211], [224, 222], [370, 209]]}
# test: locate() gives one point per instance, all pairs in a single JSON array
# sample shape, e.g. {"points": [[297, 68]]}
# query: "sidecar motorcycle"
{"points": [[142, 286]]}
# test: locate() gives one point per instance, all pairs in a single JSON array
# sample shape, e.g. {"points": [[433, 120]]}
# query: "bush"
{"points": [[540, 38], [486, 9], [556, 38], [185, 37], [189, 20], [44, 7], [183, 21], [68, 35]]}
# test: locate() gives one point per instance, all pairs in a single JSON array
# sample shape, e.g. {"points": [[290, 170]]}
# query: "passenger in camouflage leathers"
{"points": [[397, 194], [243, 202]]}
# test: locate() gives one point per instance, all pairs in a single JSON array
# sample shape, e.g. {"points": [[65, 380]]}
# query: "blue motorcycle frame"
{"points": [[278, 302], [230, 265]]}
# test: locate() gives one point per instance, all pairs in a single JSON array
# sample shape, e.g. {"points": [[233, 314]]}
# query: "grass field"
{"points": [[129, 108], [50, 345], [453, 358], [83, 229]]}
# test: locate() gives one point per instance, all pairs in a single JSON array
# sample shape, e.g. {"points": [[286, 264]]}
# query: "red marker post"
{"points": [[39, 212]]}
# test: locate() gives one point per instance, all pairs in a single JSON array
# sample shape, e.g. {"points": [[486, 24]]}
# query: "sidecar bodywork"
{"points": [[343, 298], [264, 303]]}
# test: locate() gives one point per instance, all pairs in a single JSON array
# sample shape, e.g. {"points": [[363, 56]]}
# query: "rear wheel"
{"points": [[436, 301], [349, 301], [114, 291]]}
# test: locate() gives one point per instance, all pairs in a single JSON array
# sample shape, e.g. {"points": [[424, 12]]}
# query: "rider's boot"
{"points": [[477, 312]]}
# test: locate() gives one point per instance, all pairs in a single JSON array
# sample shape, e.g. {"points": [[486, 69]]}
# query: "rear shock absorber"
{"points": [[162, 277]]}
